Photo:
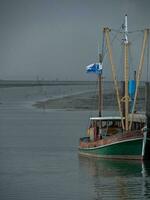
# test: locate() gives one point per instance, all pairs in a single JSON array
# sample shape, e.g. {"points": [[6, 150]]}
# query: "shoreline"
{"points": [[81, 101]]}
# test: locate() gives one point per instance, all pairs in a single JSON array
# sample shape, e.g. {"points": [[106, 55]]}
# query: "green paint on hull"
{"points": [[132, 148]]}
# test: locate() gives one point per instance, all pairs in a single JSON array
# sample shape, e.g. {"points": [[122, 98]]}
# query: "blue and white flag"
{"points": [[94, 68]]}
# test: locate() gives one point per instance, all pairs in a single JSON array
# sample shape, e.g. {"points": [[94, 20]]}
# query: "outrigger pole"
{"points": [[146, 33], [106, 31]]}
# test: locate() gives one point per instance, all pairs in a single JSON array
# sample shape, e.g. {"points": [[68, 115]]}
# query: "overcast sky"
{"points": [[53, 39]]}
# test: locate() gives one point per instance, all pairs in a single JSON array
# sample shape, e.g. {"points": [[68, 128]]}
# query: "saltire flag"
{"points": [[94, 68]]}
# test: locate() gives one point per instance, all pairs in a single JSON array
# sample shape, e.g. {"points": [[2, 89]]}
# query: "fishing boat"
{"points": [[126, 136]]}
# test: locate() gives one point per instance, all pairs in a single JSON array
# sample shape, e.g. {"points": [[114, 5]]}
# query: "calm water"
{"points": [[39, 157]]}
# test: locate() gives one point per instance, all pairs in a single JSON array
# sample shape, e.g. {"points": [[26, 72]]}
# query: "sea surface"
{"points": [[39, 152]]}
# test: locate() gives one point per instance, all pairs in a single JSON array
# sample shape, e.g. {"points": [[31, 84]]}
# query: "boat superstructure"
{"points": [[125, 136]]}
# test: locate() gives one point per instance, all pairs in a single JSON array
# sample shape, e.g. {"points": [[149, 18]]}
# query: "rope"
{"points": [[104, 49], [103, 45], [128, 31], [130, 62], [148, 57]]}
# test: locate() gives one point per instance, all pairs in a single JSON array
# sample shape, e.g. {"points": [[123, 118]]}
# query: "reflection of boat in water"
{"points": [[117, 179], [109, 167], [126, 136]]}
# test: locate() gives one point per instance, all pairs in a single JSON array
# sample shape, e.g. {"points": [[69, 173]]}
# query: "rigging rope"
{"points": [[148, 57], [105, 50], [131, 64]]}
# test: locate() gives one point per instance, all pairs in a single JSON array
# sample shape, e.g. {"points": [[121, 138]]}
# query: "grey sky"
{"points": [[57, 38]]}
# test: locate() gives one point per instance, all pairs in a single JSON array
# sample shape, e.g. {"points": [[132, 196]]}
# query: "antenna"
{"points": [[126, 29]]}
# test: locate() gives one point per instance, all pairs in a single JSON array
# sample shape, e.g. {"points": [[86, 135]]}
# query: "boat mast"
{"points": [[100, 89], [126, 73]]}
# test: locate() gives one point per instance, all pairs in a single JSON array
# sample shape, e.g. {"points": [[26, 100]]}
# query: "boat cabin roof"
{"points": [[138, 117], [105, 118]]}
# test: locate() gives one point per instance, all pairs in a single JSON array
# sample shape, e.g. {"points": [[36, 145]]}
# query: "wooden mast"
{"points": [[100, 89]]}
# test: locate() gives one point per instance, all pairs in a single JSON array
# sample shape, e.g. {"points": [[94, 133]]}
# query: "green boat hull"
{"points": [[129, 149]]}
